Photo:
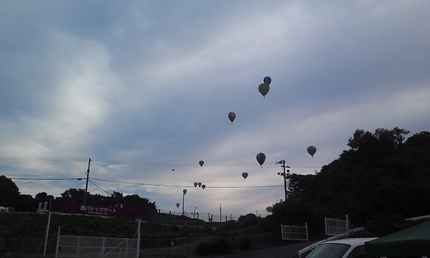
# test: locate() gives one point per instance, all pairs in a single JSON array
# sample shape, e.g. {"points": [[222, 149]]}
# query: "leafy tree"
{"points": [[73, 195], [381, 174], [9, 192]]}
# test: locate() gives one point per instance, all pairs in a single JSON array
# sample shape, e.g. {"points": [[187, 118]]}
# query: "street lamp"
{"points": [[184, 192]]}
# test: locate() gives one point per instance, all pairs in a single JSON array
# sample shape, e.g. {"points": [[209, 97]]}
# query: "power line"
{"points": [[99, 187], [181, 186], [136, 183], [42, 179], [149, 164]]}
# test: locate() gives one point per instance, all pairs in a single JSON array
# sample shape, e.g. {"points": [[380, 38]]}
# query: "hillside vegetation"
{"points": [[378, 182]]}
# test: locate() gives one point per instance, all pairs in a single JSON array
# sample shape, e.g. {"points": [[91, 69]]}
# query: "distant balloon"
{"points": [[312, 150], [200, 184], [201, 162], [203, 186], [231, 116], [245, 175], [264, 89], [261, 157], [177, 205], [267, 80], [195, 184]]}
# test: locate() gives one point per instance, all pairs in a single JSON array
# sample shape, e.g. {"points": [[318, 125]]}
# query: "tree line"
{"points": [[11, 197], [381, 178]]}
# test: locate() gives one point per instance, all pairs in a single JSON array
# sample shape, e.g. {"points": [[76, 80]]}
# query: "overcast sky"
{"points": [[144, 89]]}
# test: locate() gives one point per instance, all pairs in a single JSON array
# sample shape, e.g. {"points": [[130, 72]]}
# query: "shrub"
{"points": [[218, 246], [221, 246], [204, 248], [245, 244]]}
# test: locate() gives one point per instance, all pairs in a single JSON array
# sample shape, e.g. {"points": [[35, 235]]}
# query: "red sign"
{"points": [[185, 224], [95, 210]]}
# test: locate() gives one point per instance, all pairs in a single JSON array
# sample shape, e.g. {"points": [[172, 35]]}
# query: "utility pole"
{"points": [[88, 175], [220, 213], [284, 175]]}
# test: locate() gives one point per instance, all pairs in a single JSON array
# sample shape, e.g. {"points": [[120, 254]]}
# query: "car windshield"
{"points": [[332, 250]]}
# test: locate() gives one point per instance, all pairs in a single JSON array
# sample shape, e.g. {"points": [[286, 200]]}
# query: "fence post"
{"points": [[47, 233], [58, 242]]}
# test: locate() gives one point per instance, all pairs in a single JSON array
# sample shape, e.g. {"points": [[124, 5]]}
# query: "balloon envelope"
{"points": [[177, 205], [312, 150], [267, 80], [201, 162], [264, 89], [245, 175], [195, 184], [200, 184], [261, 157], [231, 116], [203, 186]]}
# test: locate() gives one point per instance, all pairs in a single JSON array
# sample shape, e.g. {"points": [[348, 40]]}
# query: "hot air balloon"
{"points": [[231, 116], [312, 150], [195, 184], [267, 80], [264, 89], [177, 205], [261, 157], [200, 184], [245, 175], [201, 162], [203, 186]]}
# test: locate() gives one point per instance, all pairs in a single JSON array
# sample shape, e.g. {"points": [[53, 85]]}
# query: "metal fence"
{"points": [[162, 247], [293, 232], [83, 246]]}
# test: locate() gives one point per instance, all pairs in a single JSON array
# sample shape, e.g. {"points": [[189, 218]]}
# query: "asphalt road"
{"points": [[287, 251]]}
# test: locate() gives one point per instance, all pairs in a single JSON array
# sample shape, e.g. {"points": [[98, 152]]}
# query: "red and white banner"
{"points": [[95, 210]]}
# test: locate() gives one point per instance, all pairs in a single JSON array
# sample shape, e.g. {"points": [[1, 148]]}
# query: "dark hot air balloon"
{"points": [[195, 184], [267, 80], [177, 205], [261, 157], [312, 150], [231, 116], [201, 162], [263, 89], [245, 175], [203, 186]]}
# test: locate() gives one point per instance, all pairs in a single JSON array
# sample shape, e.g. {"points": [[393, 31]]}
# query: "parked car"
{"points": [[341, 248], [6, 209]]}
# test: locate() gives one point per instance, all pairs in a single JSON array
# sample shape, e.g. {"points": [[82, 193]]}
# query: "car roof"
{"points": [[351, 241]]}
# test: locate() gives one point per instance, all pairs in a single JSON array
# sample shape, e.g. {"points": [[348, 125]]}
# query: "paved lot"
{"points": [[288, 251]]}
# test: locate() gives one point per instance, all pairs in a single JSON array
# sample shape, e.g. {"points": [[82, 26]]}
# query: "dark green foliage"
{"points": [[174, 228], [221, 246], [9, 192], [383, 225], [217, 246], [380, 175], [204, 248], [245, 244]]}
